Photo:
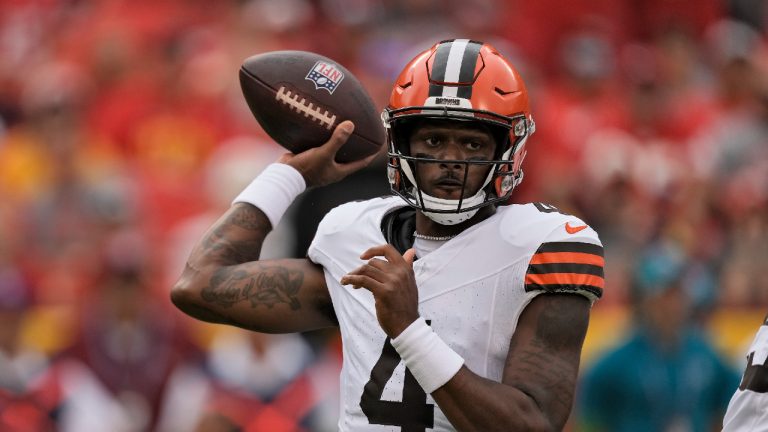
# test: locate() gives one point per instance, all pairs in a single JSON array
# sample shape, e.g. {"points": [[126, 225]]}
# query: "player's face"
{"points": [[451, 140]]}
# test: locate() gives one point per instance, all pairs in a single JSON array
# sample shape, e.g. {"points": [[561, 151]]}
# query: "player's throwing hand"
{"points": [[393, 285], [317, 165]]}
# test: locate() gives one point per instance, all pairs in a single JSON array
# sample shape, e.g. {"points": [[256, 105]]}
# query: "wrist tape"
{"points": [[431, 361], [273, 190]]}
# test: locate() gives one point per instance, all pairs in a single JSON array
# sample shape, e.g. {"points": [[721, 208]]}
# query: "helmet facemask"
{"points": [[509, 134]]}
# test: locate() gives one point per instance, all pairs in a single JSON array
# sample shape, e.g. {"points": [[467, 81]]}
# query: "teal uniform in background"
{"points": [[639, 388]]}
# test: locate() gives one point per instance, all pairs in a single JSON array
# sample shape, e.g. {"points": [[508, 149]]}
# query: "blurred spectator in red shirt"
{"points": [[115, 374]]}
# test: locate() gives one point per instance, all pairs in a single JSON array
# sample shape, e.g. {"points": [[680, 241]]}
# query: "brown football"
{"points": [[299, 97]]}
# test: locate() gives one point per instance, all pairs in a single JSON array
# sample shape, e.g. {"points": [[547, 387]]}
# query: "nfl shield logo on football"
{"points": [[326, 76]]}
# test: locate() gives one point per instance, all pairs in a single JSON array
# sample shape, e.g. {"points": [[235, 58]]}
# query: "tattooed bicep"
{"points": [[544, 353], [273, 296], [259, 284], [550, 333]]}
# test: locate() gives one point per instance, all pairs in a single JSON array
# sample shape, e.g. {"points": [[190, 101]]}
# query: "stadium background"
{"points": [[123, 133]]}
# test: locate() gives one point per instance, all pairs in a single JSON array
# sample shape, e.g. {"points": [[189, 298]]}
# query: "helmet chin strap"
{"points": [[435, 203]]}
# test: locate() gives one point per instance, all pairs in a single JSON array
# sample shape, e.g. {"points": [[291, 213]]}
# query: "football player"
{"points": [[457, 311], [748, 410]]}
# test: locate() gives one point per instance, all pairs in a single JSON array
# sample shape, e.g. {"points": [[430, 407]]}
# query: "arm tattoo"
{"points": [[230, 247], [264, 285], [229, 251], [250, 218], [547, 366], [551, 374]]}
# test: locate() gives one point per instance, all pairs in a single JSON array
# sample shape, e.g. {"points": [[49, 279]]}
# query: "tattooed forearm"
{"points": [[544, 376], [262, 285], [228, 251], [546, 365], [250, 218], [228, 244]]}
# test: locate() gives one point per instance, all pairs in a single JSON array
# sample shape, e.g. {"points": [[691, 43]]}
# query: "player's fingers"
{"points": [[361, 281], [374, 268], [378, 264], [409, 256], [391, 254], [339, 137], [386, 250], [373, 252]]}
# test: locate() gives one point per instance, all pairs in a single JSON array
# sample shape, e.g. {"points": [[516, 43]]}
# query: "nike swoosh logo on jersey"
{"points": [[573, 229]]}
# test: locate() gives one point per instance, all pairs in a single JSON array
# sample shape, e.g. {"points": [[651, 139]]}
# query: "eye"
{"points": [[432, 141], [474, 145]]}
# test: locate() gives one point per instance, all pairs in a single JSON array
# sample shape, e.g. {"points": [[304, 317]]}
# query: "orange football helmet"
{"points": [[462, 80]]}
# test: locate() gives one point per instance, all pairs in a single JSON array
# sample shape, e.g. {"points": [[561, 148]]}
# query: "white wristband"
{"points": [[431, 361], [273, 190]]}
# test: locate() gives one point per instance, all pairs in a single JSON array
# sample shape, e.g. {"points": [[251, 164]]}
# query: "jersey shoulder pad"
{"points": [[537, 222]]}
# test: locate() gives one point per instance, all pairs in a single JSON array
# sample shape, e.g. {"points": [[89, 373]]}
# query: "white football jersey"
{"points": [[748, 409], [472, 291]]}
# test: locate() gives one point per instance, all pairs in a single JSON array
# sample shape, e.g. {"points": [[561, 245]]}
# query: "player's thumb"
{"points": [[340, 135], [409, 256]]}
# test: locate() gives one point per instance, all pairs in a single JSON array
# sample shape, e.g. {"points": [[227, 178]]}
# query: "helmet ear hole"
{"points": [[502, 139], [393, 173], [504, 181]]}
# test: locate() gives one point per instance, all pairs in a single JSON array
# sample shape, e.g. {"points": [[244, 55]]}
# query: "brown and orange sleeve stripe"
{"points": [[574, 267]]}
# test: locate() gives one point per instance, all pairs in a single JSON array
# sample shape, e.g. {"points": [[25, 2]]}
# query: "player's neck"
{"points": [[428, 227]]}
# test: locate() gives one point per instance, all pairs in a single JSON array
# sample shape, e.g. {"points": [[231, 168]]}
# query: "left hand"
{"points": [[393, 285]]}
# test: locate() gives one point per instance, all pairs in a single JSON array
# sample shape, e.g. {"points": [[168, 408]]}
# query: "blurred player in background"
{"points": [[485, 304], [664, 376], [748, 410]]}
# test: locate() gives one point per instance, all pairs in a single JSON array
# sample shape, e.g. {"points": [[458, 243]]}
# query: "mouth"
{"points": [[449, 182], [450, 186]]}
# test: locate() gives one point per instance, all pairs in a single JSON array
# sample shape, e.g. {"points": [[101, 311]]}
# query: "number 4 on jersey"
{"points": [[413, 414]]}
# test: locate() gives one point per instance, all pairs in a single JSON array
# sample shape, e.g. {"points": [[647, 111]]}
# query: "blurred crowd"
{"points": [[123, 134]]}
